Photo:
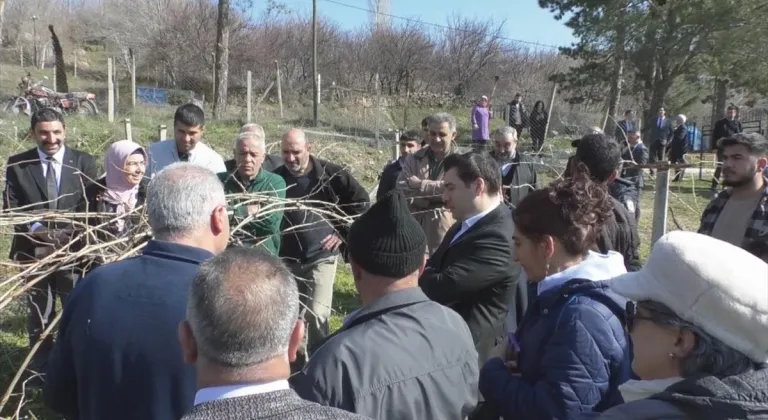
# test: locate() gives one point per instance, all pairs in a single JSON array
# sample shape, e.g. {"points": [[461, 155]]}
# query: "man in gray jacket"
{"points": [[401, 356]]}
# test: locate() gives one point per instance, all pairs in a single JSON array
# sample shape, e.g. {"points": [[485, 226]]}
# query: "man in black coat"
{"points": [[661, 134], [518, 171], [724, 128], [48, 178], [472, 270], [410, 142], [312, 238], [601, 156]]}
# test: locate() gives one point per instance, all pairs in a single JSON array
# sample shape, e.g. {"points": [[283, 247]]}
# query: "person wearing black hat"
{"points": [[401, 356]]}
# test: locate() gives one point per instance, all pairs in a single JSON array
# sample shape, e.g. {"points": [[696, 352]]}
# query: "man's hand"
{"points": [[331, 242], [53, 237], [253, 209], [475, 126], [414, 182]]}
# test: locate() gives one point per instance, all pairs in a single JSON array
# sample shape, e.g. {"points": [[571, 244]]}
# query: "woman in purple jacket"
{"points": [[481, 122]]}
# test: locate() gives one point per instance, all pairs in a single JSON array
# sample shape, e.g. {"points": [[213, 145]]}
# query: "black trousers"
{"points": [[41, 301], [718, 170], [680, 173]]}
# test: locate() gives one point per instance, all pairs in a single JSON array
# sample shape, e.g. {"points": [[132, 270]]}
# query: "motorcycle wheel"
{"points": [[88, 108], [16, 106]]}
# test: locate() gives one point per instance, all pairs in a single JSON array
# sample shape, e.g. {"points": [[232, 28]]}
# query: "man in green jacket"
{"points": [[256, 217]]}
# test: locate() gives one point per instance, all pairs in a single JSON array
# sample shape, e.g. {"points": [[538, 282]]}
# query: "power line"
{"points": [[436, 25]]}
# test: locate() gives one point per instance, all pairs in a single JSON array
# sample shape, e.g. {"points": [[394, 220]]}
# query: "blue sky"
{"points": [[525, 20]]}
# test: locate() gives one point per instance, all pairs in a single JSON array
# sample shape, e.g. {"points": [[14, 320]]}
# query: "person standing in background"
{"points": [[410, 143], [625, 127], [518, 117], [50, 177], [661, 133], [480, 119], [724, 128], [422, 180], [538, 125], [678, 146], [188, 130]]}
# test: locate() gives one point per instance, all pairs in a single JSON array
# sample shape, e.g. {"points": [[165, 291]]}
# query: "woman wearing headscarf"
{"points": [[123, 188], [570, 352], [699, 325], [481, 122], [538, 124]]}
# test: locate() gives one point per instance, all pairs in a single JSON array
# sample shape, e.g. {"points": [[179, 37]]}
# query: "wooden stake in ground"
{"points": [[248, 96], [110, 92], [222, 60], [279, 89]]}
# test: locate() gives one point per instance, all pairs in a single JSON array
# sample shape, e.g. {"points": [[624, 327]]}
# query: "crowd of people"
{"points": [[484, 295]]}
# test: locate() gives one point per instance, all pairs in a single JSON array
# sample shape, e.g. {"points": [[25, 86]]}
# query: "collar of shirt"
{"points": [[58, 157], [465, 225], [233, 391], [507, 166]]}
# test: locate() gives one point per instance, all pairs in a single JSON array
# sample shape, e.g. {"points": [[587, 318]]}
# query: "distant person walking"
{"points": [[481, 119], [724, 128]]}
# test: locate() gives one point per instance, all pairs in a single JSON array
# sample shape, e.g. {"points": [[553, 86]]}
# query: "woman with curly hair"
{"points": [[570, 352]]}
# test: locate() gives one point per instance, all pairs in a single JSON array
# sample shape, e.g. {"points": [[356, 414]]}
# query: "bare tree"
{"points": [[469, 46], [222, 59]]}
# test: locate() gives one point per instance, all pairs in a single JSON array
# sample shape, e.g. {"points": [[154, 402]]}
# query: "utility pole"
{"points": [[315, 96], [34, 38]]}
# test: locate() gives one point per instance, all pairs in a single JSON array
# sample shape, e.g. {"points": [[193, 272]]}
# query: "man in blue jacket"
{"points": [[117, 355]]}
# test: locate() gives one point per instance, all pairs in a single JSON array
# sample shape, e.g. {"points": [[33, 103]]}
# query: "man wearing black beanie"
{"points": [[401, 356]]}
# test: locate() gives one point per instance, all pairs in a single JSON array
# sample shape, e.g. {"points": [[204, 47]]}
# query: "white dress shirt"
{"points": [[233, 391], [465, 225], [164, 153], [58, 158]]}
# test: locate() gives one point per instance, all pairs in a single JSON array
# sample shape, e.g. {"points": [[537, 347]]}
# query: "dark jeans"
{"points": [[718, 169], [656, 153], [41, 302], [679, 173], [519, 129]]}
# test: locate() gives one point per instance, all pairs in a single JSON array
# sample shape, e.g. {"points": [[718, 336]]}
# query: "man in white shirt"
{"points": [[241, 332], [472, 271], [188, 129]]}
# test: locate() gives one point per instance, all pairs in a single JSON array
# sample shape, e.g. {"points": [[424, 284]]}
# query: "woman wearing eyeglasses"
{"points": [[573, 351], [699, 327]]}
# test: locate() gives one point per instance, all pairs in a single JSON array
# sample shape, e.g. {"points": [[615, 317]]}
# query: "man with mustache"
{"points": [[739, 214], [518, 172], [314, 232], [48, 178], [246, 175]]}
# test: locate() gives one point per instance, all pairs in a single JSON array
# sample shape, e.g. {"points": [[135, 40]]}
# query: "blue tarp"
{"points": [[152, 96], [695, 138]]}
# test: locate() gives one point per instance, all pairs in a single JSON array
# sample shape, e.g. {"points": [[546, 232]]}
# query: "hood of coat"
{"points": [[594, 267], [634, 390], [743, 396]]}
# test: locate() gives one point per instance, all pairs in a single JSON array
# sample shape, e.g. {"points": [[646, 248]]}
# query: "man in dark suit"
{"points": [[409, 143], [117, 355], [48, 178], [472, 269], [626, 126], [241, 332], [661, 134]]}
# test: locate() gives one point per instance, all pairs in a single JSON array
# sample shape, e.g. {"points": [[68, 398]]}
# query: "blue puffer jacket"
{"points": [[574, 354]]}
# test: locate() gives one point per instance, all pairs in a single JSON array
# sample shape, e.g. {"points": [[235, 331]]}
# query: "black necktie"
{"points": [[184, 157], [51, 184]]}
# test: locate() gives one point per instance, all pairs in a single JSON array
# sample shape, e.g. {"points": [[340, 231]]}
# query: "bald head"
{"points": [[296, 150]]}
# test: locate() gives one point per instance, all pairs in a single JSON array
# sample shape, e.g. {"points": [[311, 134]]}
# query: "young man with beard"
{"points": [[739, 214], [518, 172]]}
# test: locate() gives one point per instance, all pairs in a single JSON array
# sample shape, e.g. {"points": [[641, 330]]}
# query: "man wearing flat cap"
{"points": [[401, 356]]}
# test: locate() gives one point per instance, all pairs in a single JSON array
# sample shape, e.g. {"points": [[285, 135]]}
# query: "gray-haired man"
{"points": [[117, 356], [241, 332]]}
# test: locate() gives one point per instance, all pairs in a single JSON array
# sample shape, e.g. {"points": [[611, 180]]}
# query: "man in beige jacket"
{"points": [[422, 180]]}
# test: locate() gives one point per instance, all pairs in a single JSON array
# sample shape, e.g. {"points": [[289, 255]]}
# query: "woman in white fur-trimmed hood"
{"points": [[699, 328]]}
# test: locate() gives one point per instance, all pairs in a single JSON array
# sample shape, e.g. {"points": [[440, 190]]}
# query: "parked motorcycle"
{"points": [[34, 96]]}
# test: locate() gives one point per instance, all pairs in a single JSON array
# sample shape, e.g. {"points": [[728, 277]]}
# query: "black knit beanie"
{"points": [[386, 240]]}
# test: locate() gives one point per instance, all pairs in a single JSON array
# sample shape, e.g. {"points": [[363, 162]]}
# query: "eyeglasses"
{"points": [[633, 316]]}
